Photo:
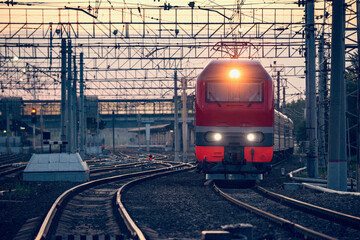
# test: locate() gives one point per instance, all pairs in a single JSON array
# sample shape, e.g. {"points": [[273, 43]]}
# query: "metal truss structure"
{"points": [[352, 70], [133, 52]]}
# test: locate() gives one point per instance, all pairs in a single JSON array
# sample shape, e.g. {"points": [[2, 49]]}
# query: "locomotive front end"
{"points": [[234, 120]]}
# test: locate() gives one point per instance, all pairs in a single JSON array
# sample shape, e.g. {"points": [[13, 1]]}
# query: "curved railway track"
{"points": [[115, 167], [132, 162], [341, 218], [276, 208], [132, 227], [90, 209]]}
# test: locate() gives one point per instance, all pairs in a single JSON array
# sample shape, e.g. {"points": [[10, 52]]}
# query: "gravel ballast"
{"points": [[180, 206]]}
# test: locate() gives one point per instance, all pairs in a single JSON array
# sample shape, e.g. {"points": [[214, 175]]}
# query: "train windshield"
{"points": [[240, 92]]}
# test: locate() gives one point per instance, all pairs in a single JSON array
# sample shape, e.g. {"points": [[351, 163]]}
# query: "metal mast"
{"points": [[75, 109], [337, 169], [322, 92], [358, 98], [311, 121], [184, 119], [176, 119], [82, 108], [63, 91], [69, 102]]}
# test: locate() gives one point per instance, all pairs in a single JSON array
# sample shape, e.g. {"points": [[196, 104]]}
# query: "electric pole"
{"points": [[184, 117], [322, 103], [63, 93], [358, 98], [337, 163], [82, 108], [69, 100], [113, 131], [311, 116], [176, 119]]}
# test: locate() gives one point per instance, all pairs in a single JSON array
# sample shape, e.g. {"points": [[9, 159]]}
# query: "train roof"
{"points": [[249, 69], [283, 115]]}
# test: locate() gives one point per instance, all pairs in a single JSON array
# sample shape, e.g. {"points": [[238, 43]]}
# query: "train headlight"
{"points": [[234, 74], [213, 137], [255, 137], [217, 137]]}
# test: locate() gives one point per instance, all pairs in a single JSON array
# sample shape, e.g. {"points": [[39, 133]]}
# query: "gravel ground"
{"points": [[180, 206], [349, 204], [307, 220], [35, 199], [32, 199]]}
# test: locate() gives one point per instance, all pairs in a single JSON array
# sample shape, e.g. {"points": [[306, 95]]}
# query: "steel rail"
{"points": [[111, 168], [61, 201], [342, 218], [16, 169], [5, 166], [293, 227], [129, 222], [11, 158]]}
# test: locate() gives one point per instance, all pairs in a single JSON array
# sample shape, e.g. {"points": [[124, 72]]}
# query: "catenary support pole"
{"points": [[147, 136], [34, 138], [322, 103], [63, 93], [311, 116], [358, 98], [69, 99], [82, 110], [278, 91], [85, 111], [278, 108], [75, 109], [113, 131], [8, 130], [283, 107], [176, 119], [184, 118], [337, 169], [41, 128]]}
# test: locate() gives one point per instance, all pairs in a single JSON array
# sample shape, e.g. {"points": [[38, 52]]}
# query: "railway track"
{"points": [[341, 218], [132, 227], [316, 223], [14, 158], [13, 163], [133, 162], [91, 209], [115, 167], [10, 169]]}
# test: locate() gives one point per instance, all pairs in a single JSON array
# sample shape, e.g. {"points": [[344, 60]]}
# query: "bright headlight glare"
{"points": [[217, 137], [234, 74], [251, 137], [213, 137], [254, 137]]}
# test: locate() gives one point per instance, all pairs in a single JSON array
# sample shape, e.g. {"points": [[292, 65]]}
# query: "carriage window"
{"points": [[240, 92]]}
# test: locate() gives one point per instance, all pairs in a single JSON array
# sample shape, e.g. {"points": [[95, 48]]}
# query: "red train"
{"points": [[235, 132]]}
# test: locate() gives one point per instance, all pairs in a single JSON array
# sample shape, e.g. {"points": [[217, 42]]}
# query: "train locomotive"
{"points": [[237, 129]]}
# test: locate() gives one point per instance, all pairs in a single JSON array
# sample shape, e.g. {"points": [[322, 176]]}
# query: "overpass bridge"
{"points": [[121, 121]]}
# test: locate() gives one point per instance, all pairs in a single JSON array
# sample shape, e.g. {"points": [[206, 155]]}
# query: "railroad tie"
{"points": [[88, 237]]}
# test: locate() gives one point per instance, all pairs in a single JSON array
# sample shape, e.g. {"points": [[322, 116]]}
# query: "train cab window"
{"points": [[240, 92]]}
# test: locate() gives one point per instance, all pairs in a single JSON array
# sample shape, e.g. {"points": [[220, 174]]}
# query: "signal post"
{"points": [[33, 121]]}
